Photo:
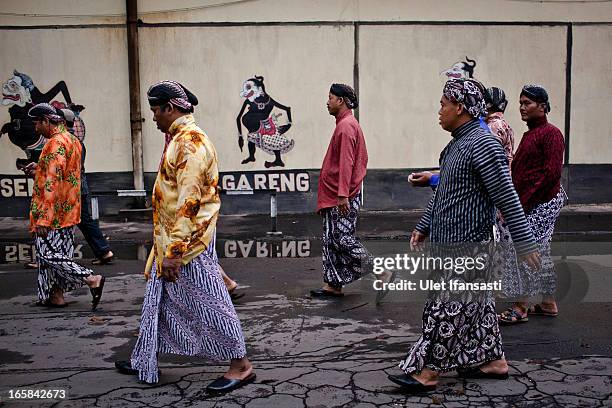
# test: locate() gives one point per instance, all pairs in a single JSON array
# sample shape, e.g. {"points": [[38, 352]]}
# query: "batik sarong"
{"points": [[519, 280], [56, 269], [460, 328], [193, 316], [345, 259]]}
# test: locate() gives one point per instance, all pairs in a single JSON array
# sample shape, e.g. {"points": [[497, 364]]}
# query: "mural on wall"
{"points": [[265, 128], [461, 69], [20, 94]]}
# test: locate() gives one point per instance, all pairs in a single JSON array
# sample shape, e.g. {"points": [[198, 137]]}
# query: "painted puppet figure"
{"points": [[262, 125]]}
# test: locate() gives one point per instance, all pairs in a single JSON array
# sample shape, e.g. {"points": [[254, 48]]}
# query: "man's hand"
{"points": [[532, 259], [30, 169], [171, 269], [343, 205], [416, 240], [420, 179], [42, 231]]}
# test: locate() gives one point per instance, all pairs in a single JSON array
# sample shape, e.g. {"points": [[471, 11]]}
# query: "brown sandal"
{"points": [[537, 310]]}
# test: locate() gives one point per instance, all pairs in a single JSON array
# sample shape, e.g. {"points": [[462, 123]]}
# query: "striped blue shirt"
{"points": [[474, 181]]}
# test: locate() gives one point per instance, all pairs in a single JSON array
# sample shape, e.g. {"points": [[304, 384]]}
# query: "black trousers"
{"points": [[91, 229]]}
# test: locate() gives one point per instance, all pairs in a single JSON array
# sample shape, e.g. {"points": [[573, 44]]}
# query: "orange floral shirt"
{"points": [[56, 197], [185, 196]]}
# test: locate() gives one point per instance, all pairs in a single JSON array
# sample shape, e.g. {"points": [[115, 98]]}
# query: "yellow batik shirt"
{"points": [[185, 196]]}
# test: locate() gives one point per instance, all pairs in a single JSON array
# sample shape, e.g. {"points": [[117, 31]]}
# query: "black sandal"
{"points": [[236, 295], [476, 372], [96, 294], [103, 261], [512, 316]]}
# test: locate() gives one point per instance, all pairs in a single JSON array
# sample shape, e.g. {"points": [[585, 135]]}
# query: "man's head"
{"points": [[341, 98], [462, 100], [495, 100], [69, 117], [169, 100], [533, 102], [46, 119]]}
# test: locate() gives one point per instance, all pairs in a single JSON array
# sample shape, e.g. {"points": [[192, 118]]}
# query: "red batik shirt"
{"points": [[344, 166], [537, 164]]}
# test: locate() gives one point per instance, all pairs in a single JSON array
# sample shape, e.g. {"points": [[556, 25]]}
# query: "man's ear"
{"points": [[460, 109]]}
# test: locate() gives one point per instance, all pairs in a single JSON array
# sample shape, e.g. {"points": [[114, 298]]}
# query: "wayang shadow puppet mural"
{"points": [[20, 94], [461, 69], [264, 128]]}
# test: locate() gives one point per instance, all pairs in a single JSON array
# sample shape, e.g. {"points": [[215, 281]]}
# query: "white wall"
{"points": [[28, 12], [591, 118], [93, 63], [400, 65], [401, 85], [298, 64]]}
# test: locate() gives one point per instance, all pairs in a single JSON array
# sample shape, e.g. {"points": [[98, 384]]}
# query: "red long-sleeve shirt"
{"points": [[344, 166], [537, 164]]}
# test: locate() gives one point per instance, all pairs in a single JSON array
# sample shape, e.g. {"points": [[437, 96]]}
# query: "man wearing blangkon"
{"points": [[460, 331]]}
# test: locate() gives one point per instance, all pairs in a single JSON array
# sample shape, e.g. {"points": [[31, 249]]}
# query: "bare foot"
{"points": [[93, 281], [57, 297], [239, 369], [332, 289], [426, 377], [495, 367]]}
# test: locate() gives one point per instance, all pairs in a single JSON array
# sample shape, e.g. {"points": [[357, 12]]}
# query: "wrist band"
{"points": [[434, 180]]}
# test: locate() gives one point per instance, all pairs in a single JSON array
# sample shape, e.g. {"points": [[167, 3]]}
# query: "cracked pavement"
{"points": [[306, 352]]}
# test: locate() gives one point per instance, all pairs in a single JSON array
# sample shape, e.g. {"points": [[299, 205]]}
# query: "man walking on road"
{"points": [[55, 210], [338, 200], [187, 309], [536, 173], [460, 330]]}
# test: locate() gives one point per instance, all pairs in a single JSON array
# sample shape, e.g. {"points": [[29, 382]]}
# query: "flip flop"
{"points": [[511, 316], [322, 293], [222, 385], [96, 294], [103, 261], [537, 310], [236, 296], [476, 372]]}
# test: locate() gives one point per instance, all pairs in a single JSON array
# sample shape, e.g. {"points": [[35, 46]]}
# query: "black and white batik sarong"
{"points": [[460, 327], [518, 279], [345, 259], [56, 269], [193, 316]]}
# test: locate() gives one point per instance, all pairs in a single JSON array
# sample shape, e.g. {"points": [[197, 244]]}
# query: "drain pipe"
{"points": [[136, 118]]}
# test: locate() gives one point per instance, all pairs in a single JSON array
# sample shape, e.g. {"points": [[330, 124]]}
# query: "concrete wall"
{"points": [[298, 64], [93, 63], [400, 83], [591, 115], [28, 12], [300, 47]]}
